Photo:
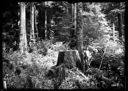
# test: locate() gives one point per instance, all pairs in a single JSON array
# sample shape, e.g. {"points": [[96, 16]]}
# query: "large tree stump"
{"points": [[66, 60], [69, 58]]}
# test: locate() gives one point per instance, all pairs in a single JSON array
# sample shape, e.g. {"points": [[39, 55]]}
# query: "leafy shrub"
{"points": [[68, 84], [13, 79], [87, 84], [31, 77], [42, 82], [113, 48]]}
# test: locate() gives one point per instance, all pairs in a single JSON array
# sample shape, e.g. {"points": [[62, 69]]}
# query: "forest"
{"points": [[63, 45]]}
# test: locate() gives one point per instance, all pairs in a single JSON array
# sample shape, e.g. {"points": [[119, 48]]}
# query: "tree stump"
{"points": [[66, 60], [69, 58]]}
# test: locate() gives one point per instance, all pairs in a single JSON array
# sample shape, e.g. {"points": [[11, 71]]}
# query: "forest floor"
{"points": [[31, 71]]}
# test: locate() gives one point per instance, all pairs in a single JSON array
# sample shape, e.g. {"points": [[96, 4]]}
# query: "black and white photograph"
{"points": [[63, 45]]}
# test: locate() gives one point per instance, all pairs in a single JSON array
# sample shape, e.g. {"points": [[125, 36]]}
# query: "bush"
{"points": [[42, 82], [68, 84]]}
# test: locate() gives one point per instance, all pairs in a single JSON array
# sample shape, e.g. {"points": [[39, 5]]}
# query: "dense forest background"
{"points": [[63, 45]]}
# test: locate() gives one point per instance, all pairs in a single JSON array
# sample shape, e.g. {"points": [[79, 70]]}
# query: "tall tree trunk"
{"points": [[23, 37], [45, 24], [80, 33], [113, 32], [32, 33], [46, 21], [51, 31], [121, 21], [36, 15], [72, 12], [123, 34], [119, 25], [67, 10], [75, 14]]}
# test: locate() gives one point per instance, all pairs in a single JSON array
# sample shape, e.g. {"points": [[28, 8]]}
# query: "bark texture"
{"points": [[66, 60], [23, 37]]}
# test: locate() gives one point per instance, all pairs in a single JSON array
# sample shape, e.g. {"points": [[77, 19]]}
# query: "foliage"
{"points": [[75, 80], [111, 9], [113, 61], [29, 70], [68, 84], [34, 75], [19, 75], [31, 66], [96, 26]]}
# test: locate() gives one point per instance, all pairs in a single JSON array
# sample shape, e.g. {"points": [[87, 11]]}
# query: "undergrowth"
{"points": [[30, 70]]}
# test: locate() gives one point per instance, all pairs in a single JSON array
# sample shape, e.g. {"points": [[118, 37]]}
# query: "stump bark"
{"points": [[69, 58], [66, 60]]}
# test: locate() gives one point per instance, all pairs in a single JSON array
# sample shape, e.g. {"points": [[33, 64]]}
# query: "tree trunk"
{"points": [[80, 34], [72, 12], [69, 58], [23, 37], [51, 31], [67, 10], [46, 21], [75, 14], [121, 21], [66, 60], [113, 32], [36, 15], [119, 25], [123, 33], [32, 33]]}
